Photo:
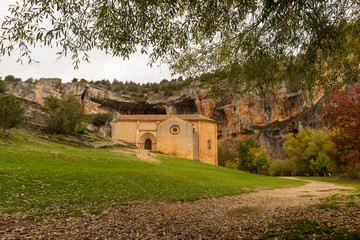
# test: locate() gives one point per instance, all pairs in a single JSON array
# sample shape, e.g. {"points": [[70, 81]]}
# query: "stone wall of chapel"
{"points": [[207, 141], [124, 130], [179, 144]]}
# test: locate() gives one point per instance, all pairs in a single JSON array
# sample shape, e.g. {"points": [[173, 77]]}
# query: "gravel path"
{"points": [[230, 217]]}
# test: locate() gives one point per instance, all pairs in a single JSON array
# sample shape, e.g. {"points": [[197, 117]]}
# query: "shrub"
{"points": [[101, 119], [52, 102], [164, 81], [80, 129], [133, 87], [30, 80], [75, 80], [66, 116], [145, 90], [3, 87], [168, 92], [11, 78], [280, 168]]}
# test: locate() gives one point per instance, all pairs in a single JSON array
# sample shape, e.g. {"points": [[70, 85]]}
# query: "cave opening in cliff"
{"points": [[131, 108], [220, 116], [187, 106], [141, 109], [274, 133]]}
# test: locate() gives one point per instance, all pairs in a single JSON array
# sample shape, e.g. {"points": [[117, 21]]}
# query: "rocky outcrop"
{"points": [[266, 119]]}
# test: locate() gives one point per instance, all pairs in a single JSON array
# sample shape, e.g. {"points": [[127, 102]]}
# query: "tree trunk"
{"points": [[3, 133]]}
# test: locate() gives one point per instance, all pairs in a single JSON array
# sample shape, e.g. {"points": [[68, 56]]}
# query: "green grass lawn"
{"points": [[53, 178], [355, 183]]}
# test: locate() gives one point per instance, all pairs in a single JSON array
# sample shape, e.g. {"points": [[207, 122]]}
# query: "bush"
{"points": [[52, 102], [11, 78], [30, 80], [101, 119], [280, 168], [168, 92], [80, 129], [133, 87], [3, 87], [66, 116]]}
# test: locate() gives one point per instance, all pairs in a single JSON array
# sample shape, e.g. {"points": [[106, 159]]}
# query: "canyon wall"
{"points": [[268, 120]]}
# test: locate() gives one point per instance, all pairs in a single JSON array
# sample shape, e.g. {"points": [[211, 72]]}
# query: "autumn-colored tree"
{"points": [[307, 145], [343, 114], [261, 161]]}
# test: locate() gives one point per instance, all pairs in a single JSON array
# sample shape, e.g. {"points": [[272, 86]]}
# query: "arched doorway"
{"points": [[148, 144]]}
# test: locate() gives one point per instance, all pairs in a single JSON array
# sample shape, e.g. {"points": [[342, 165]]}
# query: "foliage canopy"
{"points": [[259, 42]]}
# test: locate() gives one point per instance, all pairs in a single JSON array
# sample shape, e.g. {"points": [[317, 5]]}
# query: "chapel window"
{"points": [[174, 129]]}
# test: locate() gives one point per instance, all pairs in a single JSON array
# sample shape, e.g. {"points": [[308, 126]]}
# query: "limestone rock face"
{"points": [[266, 119]]}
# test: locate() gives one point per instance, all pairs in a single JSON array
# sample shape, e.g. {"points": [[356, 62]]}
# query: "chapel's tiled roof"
{"points": [[187, 117]]}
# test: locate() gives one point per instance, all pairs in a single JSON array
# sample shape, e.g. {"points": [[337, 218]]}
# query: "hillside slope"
{"points": [[41, 174]]}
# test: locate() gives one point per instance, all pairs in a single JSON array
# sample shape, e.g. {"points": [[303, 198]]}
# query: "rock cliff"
{"points": [[266, 119]]}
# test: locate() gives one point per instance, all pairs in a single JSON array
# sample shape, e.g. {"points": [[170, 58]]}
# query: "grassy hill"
{"points": [[44, 176]]}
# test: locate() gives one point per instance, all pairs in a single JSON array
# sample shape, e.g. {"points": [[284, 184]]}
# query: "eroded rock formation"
{"points": [[266, 119]]}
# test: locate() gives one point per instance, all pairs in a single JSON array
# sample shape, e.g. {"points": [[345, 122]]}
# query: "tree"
{"points": [[11, 113], [245, 156], [307, 145], [9, 78], [3, 87], [30, 80], [66, 115], [259, 42], [261, 161], [320, 165], [343, 115], [80, 129]]}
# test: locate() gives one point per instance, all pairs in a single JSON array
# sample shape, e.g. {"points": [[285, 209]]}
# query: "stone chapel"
{"points": [[190, 136]]}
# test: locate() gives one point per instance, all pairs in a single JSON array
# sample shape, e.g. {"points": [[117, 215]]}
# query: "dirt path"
{"points": [[231, 217], [141, 154]]}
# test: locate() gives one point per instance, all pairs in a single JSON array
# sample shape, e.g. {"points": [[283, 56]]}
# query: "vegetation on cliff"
{"points": [[66, 114]]}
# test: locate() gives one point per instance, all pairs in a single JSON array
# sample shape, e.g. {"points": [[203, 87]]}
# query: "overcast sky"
{"points": [[101, 66]]}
